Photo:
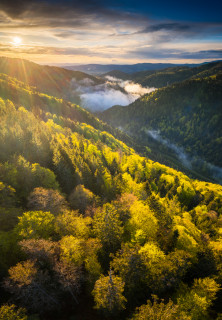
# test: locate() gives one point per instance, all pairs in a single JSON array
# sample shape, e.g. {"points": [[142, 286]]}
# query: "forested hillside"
{"points": [[163, 78], [89, 229], [168, 76], [117, 74], [43, 105], [187, 114], [47, 79]]}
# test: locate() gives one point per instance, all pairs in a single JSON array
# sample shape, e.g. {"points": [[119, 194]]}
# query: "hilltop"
{"points": [[47, 79], [167, 76]]}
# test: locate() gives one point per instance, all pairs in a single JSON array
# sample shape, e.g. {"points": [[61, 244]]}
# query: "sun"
{"points": [[16, 41]]}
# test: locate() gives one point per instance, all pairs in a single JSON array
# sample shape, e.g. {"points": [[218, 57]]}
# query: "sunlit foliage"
{"points": [[86, 221], [108, 294]]}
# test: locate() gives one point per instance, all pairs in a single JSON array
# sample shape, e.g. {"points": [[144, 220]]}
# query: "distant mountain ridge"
{"points": [[100, 69], [168, 76]]}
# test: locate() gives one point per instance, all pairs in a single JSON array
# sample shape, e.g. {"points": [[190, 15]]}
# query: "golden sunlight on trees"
{"points": [[108, 294], [73, 223], [195, 301], [36, 224], [143, 223], [11, 312], [89, 228], [158, 310]]}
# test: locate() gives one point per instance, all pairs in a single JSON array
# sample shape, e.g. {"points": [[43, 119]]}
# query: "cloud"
{"points": [[39, 50], [158, 32], [18, 8], [58, 29], [75, 13], [113, 92], [130, 87], [204, 54], [175, 54], [14, 8], [173, 26]]}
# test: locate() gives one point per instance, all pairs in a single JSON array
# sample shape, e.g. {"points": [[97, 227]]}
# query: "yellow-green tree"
{"points": [[159, 310], [74, 224], [108, 294], [143, 224], [197, 300], [11, 312], [36, 224]]}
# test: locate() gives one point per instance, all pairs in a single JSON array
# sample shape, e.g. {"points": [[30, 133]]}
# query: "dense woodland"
{"points": [[188, 114], [168, 76], [162, 78], [90, 229]]}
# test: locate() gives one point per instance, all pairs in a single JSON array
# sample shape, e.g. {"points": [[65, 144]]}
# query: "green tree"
{"points": [[108, 294], [128, 264], [11, 312], [81, 198], [143, 224], [72, 250], [197, 300], [108, 227], [9, 251], [158, 310], [7, 195], [74, 224], [36, 224]]}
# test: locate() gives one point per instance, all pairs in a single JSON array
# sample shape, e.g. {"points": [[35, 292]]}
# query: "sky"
{"points": [[111, 32]]}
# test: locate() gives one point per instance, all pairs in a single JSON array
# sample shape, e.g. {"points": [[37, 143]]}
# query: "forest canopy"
{"points": [[92, 229]]}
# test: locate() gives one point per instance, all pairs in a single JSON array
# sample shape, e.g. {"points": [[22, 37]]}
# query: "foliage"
{"points": [[73, 223], [108, 294], [195, 302], [158, 310], [81, 198], [182, 118], [77, 203], [46, 200], [143, 223], [108, 227], [36, 224], [10, 312]]}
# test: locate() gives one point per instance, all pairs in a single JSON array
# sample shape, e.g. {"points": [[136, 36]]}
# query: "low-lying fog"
{"points": [[103, 96], [188, 161]]}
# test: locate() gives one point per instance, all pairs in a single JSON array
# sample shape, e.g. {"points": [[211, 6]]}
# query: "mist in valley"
{"points": [[189, 161], [114, 91]]}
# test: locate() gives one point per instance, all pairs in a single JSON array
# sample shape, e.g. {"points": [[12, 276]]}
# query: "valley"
{"points": [[183, 114], [89, 212], [110, 160]]}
